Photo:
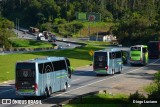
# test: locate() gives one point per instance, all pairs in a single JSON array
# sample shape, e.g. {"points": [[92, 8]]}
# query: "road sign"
{"points": [[81, 16], [90, 16], [91, 52], [94, 17]]}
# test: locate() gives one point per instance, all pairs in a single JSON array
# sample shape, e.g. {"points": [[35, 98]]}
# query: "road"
{"points": [[20, 34], [84, 80]]}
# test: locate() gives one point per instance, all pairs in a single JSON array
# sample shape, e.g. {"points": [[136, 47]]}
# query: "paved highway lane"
{"points": [[84, 80]]}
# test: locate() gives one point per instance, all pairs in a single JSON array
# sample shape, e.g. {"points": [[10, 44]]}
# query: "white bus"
{"points": [[108, 61], [42, 76]]}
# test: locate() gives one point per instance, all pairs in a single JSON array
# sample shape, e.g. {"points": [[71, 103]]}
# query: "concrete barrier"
{"points": [[78, 43]]}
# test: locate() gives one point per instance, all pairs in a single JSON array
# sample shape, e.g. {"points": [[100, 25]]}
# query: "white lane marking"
{"points": [[6, 91], [75, 80]]}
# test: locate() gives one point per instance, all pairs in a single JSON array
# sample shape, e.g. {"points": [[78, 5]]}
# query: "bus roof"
{"points": [[139, 46], [43, 60], [109, 50]]}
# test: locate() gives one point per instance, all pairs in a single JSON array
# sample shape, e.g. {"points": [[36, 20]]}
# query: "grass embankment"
{"points": [[78, 57], [23, 43], [94, 27], [102, 100]]}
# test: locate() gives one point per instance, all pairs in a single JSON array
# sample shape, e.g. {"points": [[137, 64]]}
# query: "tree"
{"points": [[6, 32]]}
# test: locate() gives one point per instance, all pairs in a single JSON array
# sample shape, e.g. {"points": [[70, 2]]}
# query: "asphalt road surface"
{"points": [[84, 80]]}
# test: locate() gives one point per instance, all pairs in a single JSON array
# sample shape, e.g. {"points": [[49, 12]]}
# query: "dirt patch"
{"points": [[133, 82]]}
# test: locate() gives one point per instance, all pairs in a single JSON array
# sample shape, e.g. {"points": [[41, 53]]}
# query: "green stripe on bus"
{"points": [[61, 76], [25, 90], [101, 71]]}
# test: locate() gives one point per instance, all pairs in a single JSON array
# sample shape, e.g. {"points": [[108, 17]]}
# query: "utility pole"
{"points": [[17, 26]]}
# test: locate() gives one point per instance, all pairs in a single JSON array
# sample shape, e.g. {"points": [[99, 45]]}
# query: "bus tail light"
{"points": [[130, 59], [140, 59], [106, 68], [35, 87]]}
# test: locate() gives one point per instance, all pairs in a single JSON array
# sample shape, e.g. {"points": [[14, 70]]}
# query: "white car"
{"points": [[40, 36]]}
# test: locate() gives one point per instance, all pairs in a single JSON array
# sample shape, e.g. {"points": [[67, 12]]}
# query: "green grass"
{"points": [[101, 100], [23, 43], [78, 57], [98, 43]]}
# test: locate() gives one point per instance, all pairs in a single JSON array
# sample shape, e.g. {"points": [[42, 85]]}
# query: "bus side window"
{"points": [[110, 55], [118, 54], [59, 65], [40, 68]]}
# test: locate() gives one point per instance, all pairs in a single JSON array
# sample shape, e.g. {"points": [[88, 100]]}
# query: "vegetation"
{"points": [[101, 100], [6, 27], [127, 19], [154, 88], [23, 43]]}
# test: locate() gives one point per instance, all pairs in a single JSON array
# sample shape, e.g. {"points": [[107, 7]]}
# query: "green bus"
{"points": [[139, 54]]}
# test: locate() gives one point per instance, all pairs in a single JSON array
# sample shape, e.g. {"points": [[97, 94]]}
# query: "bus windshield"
{"points": [[135, 48], [25, 74], [100, 60]]}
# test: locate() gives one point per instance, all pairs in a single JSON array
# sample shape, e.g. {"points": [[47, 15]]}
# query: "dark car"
{"points": [[60, 46]]}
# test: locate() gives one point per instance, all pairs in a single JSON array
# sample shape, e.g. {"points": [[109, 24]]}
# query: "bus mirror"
{"points": [[71, 69]]}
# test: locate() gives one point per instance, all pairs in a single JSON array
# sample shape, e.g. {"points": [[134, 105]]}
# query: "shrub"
{"points": [[154, 88], [157, 79], [136, 96]]}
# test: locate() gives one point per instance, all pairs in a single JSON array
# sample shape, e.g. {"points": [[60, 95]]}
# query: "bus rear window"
{"points": [[25, 70], [135, 48], [100, 60]]}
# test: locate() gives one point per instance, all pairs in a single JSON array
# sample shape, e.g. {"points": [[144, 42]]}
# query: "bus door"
{"points": [[41, 77], [48, 69], [112, 60]]}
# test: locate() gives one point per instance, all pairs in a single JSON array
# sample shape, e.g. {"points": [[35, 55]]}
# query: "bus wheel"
{"points": [[65, 86], [50, 91], [113, 71], [144, 62], [47, 92], [120, 70]]}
